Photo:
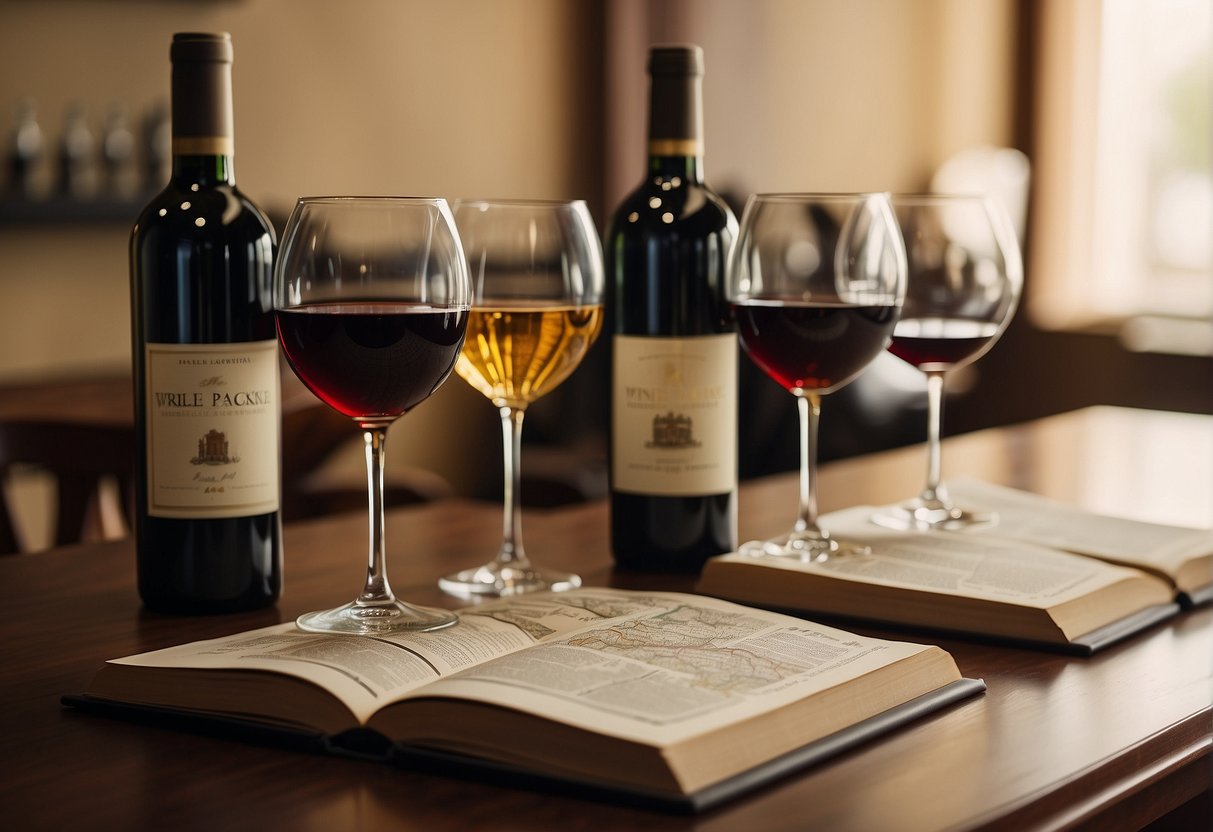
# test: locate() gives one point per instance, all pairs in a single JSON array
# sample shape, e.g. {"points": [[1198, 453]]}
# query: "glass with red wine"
{"points": [[371, 296], [815, 284], [964, 280]]}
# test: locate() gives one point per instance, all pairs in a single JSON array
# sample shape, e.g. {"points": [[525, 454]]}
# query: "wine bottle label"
{"points": [[674, 415], [212, 429]]}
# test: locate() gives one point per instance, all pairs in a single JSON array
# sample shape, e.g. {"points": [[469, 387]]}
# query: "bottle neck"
{"points": [[202, 109], [204, 169], [688, 168], [676, 127]]}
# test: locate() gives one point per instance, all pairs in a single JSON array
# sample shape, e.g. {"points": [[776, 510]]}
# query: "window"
{"points": [[1123, 217]]}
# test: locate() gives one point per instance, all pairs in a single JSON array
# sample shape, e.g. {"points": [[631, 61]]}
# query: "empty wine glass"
{"points": [[964, 281], [536, 309], [371, 297], [815, 284]]}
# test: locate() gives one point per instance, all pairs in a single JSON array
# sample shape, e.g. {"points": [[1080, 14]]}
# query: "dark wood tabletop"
{"points": [[1115, 741]]}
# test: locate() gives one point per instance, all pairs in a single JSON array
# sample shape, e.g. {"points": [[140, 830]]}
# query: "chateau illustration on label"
{"points": [[672, 430], [213, 450]]}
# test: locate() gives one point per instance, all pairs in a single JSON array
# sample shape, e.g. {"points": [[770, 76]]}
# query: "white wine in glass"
{"points": [[536, 309], [515, 354]]}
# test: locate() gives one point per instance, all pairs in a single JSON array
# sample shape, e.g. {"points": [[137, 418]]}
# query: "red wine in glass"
{"points": [[816, 283], [812, 345], [938, 344], [371, 361], [371, 299], [964, 279]]}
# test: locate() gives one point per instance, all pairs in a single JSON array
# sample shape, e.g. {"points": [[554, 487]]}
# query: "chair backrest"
{"points": [[80, 457]]}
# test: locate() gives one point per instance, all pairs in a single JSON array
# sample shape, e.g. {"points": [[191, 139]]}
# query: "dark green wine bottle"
{"points": [[674, 350], [205, 360]]}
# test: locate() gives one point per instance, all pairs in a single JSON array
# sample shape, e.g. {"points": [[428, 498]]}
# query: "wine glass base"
{"points": [[917, 516], [500, 580], [376, 619], [804, 548]]}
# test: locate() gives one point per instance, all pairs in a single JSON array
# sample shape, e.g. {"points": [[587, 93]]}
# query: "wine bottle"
{"points": [[673, 432], [205, 360]]}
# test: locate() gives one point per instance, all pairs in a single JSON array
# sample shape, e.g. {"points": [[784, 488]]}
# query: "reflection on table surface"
{"points": [[1142, 464]]}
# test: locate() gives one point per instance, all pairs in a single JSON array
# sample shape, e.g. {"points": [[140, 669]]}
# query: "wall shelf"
{"points": [[57, 210]]}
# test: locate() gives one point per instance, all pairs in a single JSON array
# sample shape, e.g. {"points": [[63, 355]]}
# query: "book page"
{"points": [[1045, 522], [673, 666], [364, 672], [955, 564]]}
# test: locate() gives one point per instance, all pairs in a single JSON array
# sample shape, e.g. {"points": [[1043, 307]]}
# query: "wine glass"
{"points": [[964, 282], [371, 297], [536, 308], [815, 284]]}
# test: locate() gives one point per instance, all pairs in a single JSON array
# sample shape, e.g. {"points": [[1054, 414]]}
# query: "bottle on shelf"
{"points": [[673, 437], [77, 156], [205, 362], [118, 155], [25, 148]]}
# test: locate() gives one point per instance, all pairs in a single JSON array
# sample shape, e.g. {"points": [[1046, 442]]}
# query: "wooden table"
{"points": [[1113, 741]]}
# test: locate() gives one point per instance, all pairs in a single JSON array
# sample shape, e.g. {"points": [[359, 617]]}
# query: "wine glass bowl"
{"points": [[964, 281], [371, 297], [536, 273], [815, 285], [340, 351]]}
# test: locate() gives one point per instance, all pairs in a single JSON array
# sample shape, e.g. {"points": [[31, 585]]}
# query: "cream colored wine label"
{"points": [[212, 429], [674, 415]]}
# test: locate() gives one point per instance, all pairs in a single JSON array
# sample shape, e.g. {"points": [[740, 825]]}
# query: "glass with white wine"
{"points": [[536, 270]]}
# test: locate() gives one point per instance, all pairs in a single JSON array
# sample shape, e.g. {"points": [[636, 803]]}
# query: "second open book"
{"points": [[1048, 574]]}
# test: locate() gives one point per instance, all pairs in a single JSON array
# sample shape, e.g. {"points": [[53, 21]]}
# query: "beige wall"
{"points": [[495, 98], [369, 96], [474, 97], [828, 95]]}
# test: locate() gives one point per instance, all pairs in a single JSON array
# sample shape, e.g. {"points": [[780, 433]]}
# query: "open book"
{"points": [[679, 701], [1181, 556], [974, 584]]}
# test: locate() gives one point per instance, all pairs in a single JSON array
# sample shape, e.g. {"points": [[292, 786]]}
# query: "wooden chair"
{"points": [[80, 457], [311, 487]]}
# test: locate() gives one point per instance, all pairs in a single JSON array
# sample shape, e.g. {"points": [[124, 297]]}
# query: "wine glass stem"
{"points": [[809, 405], [511, 527], [377, 590], [934, 491]]}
